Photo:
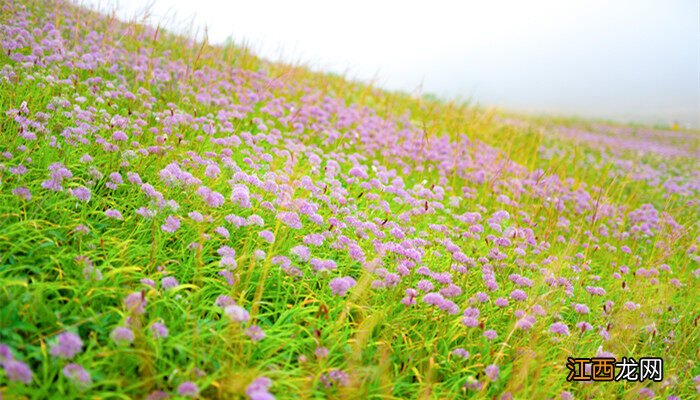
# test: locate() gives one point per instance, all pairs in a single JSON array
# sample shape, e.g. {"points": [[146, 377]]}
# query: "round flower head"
{"points": [[255, 333], [159, 330], [188, 389], [158, 395], [236, 313], [68, 344], [18, 371], [77, 374], [81, 193], [122, 334], [261, 384], [492, 372], [559, 328], [169, 282], [135, 302], [171, 224], [340, 286], [267, 235], [114, 214]]}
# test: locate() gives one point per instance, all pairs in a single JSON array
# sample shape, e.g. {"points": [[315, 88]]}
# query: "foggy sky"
{"points": [[626, 60]]}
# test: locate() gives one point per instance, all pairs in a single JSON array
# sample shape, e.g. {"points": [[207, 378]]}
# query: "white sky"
{"points": [[621, 59]]}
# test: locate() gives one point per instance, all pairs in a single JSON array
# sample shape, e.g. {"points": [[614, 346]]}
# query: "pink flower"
{"points": [[119, 136], [301, 251], [559, 328], [255, 333], [81, 193], [188, 389], [340, 286], [18, 371], [492, 372], [267, 235], [77, 374], [237, 313], [122, 334], [169, 282], [291, 219], [114, 214], [222, 231], [490, 334], [68, 344], [159, 330], [22, 192], [171, 224]]}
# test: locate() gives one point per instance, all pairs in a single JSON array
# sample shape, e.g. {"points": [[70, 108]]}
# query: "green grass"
{"points": [[390, 351]]}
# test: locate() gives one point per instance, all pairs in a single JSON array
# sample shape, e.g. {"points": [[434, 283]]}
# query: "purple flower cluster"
{"points": [[340, 286]]}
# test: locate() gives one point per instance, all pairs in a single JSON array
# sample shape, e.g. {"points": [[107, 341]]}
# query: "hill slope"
{"points": [[185, 219]]}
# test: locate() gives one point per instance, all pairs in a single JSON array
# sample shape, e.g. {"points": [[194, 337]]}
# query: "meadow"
{"points": [[185, 220]]}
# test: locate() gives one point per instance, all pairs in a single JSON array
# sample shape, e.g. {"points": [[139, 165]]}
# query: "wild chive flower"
{"points": [[255, 333], [492, 372], [313, 239], [259, 389], [518, 295], [255, 219], [188, 389], [228, 257], [169, 282], [119, 136], [77, 374], [481, 297], [291, 219], [5, 353], [581, 308], [196, 216], [158, 395], [212, 171], [321, 352], [114, 214], [335, 377], [18, 371], [410, 298], [301, 251], [433, 298], [23, 193], [81, 193], [241, 196], [267, 235], [67, 345], [490, 334], [135, 302], [122, 334], [559, 328], [222, 231], [460, 352], [159, 330], [224, 300], [148, 282], [584, 326], [566, 395], [171, 224], [228, 276], [425, 285], [237, 313], [526, 322], [340, 286], [502, 302]]}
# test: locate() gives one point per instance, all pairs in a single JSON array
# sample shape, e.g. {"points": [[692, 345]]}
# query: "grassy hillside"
{"points": [[186, 220]]}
